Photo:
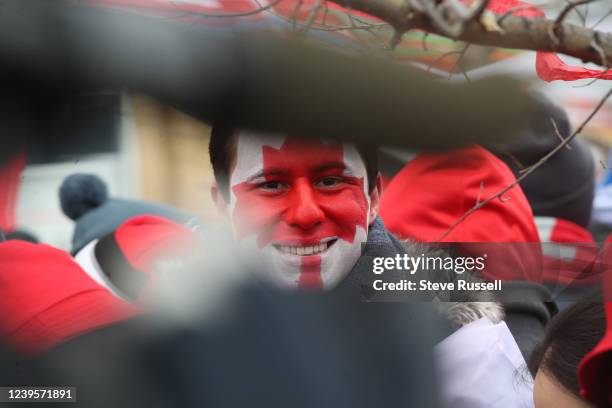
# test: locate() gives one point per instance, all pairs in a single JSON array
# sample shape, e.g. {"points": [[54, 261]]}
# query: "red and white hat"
{"points": [[124, 261]]}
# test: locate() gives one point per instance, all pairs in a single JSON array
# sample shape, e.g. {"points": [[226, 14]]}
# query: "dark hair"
{"points": [[569, 337], [222, 148]]}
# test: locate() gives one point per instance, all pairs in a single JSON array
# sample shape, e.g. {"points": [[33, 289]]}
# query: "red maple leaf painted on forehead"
{"points": [[301, 154]]}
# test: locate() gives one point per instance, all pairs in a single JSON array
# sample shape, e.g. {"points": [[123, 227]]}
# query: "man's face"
{"points": [[299, 210]]}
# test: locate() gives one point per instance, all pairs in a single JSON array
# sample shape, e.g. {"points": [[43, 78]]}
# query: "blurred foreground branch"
{"points": [[261, 81]]}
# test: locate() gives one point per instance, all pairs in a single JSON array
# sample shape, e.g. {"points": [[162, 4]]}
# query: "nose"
{"points": [[304, 210]]}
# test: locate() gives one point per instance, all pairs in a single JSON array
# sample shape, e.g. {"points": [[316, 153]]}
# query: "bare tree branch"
{"points": [[515, 32]]}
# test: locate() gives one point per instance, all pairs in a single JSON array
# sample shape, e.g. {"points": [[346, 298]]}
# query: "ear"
{"points": [[375, 198], [218, 199]]}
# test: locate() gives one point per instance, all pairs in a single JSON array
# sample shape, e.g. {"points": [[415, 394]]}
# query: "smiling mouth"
{"points": [[305, 250]]}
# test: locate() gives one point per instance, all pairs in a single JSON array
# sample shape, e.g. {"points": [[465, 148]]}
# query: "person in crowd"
{"points": [[84, 198], [116, 241], [562, 210], [301, 210], [570, 335]]}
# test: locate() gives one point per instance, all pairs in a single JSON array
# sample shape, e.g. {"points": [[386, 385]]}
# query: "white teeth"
{"points": [[303, 250]]}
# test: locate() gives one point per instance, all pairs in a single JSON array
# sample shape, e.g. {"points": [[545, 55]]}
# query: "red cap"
{"points": [[433, 191], [146, 238], [46, 298]]}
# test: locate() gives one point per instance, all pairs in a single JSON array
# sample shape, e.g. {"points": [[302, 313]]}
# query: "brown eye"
{"points": [[272, 186], [329, 182]]}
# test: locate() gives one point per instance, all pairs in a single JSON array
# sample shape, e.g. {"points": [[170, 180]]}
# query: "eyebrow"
{"points": [[276, 171], [330, 166]]}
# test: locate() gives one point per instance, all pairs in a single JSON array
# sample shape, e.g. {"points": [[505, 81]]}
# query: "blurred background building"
{"points": [[141, 149]]}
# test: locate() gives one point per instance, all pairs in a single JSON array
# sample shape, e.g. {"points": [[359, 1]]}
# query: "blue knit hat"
{"points": [[84, 199]]}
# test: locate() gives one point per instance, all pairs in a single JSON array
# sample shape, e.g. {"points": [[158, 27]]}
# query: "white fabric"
{"points": [[86, 258], [481, 366]]}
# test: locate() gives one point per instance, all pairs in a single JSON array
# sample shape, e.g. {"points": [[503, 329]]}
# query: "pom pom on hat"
{"points": [[80, 193]]}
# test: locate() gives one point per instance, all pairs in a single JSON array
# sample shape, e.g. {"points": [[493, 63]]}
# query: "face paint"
{"points": [[299, 209]]}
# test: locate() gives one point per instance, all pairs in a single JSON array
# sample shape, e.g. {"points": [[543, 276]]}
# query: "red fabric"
{"points": [[10, 179], [145, 238], [595, 369], [575, 261], [434, 190], [46, 298]]}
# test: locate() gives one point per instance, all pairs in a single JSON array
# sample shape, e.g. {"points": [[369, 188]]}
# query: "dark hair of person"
{"points": [[222, 148], [570, 335]]}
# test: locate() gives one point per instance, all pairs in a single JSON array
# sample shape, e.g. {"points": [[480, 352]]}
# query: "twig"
{"points": [[312, 17], [601, 19], [530, 169], [554, 28], [325, 12], [440, 58], [561, 138], [424, 41], [570, 6], [296, 11], [244, 14], [458, 62], [596, 44], [480, 191], [577, 10], [367, 27]]}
